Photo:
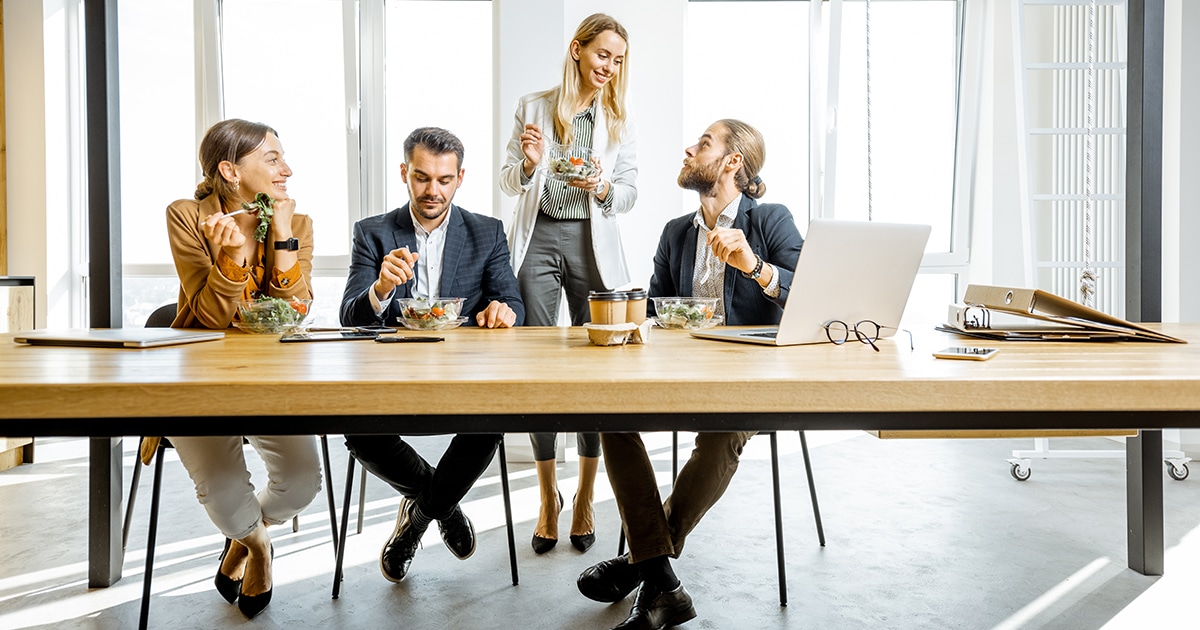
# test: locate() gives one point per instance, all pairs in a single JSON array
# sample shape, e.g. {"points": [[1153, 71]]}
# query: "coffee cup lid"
{"points": [[606, 296]]}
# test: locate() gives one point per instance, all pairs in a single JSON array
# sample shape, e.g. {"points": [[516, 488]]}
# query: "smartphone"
{"points": [[408, 339], [327, 335], [964, 352], [379, 330]]}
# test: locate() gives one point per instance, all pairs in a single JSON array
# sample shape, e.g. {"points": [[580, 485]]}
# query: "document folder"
{"points": [[1059, 318]]}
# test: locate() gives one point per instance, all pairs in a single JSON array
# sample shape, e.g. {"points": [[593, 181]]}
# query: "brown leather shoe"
{"points": [[654, 609]]}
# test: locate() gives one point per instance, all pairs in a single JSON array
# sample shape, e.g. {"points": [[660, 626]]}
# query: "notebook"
{"points": [[848, 271], [117, 337]]}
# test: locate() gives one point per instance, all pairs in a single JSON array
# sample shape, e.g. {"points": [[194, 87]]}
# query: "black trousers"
{"points": [[435, 489]]}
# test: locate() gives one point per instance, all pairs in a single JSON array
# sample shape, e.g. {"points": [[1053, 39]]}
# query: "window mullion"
{"points": [[372, 114]]}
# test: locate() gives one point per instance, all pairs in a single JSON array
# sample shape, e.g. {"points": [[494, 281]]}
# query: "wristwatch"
{"points": [[600, 188], [291, 245], [753, 275]]}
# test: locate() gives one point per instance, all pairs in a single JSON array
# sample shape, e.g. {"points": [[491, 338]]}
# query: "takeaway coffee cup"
{"points": [[635, 306], [608, 307]]}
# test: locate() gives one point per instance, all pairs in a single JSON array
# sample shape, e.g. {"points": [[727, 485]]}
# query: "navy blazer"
{"points": [[772, 235], [475, 265]]}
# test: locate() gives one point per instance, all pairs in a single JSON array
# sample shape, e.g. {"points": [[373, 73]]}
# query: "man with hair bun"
{"points": [[731, 248]]}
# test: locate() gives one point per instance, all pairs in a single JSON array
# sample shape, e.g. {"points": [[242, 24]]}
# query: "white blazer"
{"points": [[620, 168]]}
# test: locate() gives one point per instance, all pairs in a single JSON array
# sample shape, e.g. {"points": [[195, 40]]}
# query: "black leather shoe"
{"points": [[654, 609], [251, 605], [609, 581], [583, 542], [228, 587], [542, 545], [458, 534], [399, 550]]}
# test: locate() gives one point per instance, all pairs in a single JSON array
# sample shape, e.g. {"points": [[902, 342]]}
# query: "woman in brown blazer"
{"points": [[220, 261]]}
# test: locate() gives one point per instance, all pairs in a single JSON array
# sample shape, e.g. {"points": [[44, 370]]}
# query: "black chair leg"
{"points": [[778, 519], [512, 541], [362, 498], [674, 457], [132, 498], [812, 489], [333, 530], [151, 539], [341, 542]]}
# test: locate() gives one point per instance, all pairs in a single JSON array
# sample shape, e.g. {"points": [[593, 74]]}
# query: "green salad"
{"points": [[568, 168], [271, 314], [430, 314], [682, 315]]}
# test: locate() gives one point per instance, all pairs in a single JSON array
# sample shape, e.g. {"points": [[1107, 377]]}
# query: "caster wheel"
{"points": [[1178, 473], [1021, 473]]}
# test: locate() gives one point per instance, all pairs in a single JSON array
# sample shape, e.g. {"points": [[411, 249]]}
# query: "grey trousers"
{"points": [[656, 528], [559, 258], [217, 466]]}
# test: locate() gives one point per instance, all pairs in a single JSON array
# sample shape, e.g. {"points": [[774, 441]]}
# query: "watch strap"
{"points": [[291, 245], [754, 275]]}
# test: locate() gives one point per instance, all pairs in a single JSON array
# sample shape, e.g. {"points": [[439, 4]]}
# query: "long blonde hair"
{"points": [[612, 96]]}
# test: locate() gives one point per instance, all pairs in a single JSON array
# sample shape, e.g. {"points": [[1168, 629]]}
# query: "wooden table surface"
{"points": [[553, 379], [556, 370]]}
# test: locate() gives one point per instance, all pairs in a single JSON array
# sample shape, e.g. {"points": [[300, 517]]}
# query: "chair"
{"points": [[341, 544], [812, 491], [162, 317]]}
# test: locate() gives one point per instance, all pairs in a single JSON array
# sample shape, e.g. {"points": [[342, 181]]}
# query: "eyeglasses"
{"points": [[866, 331]]}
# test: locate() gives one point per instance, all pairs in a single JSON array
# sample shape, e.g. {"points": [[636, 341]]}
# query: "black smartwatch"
{"points": [[291, 245]]}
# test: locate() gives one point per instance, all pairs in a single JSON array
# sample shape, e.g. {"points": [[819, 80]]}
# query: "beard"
{"points": [[427, 213], [701, 178]]}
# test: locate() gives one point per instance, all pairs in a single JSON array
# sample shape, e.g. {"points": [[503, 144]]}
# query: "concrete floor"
{"points": [[921, 534]]}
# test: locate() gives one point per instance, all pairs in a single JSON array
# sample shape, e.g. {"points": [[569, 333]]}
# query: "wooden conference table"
{"points": [[552, 379]]}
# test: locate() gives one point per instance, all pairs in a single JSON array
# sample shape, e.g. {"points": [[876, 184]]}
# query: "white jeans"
{"points": [[217, 465]]}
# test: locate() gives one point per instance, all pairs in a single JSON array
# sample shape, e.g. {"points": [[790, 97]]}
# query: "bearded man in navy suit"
{"points": [[429, 248], [744, 253]]}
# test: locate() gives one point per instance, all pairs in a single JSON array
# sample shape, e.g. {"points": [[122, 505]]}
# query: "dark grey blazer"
{"points": [[772, 235], [475, 265]]}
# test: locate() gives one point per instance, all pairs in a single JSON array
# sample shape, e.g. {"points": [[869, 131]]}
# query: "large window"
{"points": [[158, 143], [440, 79], [765, 85]]}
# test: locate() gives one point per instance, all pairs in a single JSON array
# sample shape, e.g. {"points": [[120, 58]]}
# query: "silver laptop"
{"points": [[847, 271], [117, 337]]}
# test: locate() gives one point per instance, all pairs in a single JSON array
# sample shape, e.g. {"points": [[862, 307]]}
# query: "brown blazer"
{"points": [[208, 299]]}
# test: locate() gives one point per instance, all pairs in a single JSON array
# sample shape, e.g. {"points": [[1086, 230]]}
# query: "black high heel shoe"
{"points": [[583, 542], [228, 587], [251, 605], [542, 545]]}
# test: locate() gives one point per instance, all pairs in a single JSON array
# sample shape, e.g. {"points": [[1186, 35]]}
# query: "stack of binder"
{"points": [[1011, 314]]}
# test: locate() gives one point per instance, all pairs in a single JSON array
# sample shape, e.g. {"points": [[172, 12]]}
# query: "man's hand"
{"points": [[397, 268], [730, 247], [496, 315]]}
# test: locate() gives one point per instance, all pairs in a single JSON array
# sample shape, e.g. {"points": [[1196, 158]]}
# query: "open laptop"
{"points": [[848, 271], [117, 337]]}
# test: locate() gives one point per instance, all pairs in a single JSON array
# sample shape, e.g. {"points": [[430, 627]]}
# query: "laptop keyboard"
{"points": [[770, 334]]}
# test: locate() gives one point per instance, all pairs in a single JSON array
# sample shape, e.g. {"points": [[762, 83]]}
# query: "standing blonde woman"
{"points": [[564, 235], [222, 258]]}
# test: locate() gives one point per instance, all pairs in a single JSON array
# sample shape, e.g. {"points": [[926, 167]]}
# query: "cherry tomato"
{"points": [[299, 307], [438, 311], [577, 161]]}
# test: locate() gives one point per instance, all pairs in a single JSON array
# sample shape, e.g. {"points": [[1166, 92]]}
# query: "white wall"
{"points": [[25, 122]]}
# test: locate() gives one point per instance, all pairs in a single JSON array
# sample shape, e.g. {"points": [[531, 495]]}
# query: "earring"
{"points": [[237, 184]]}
